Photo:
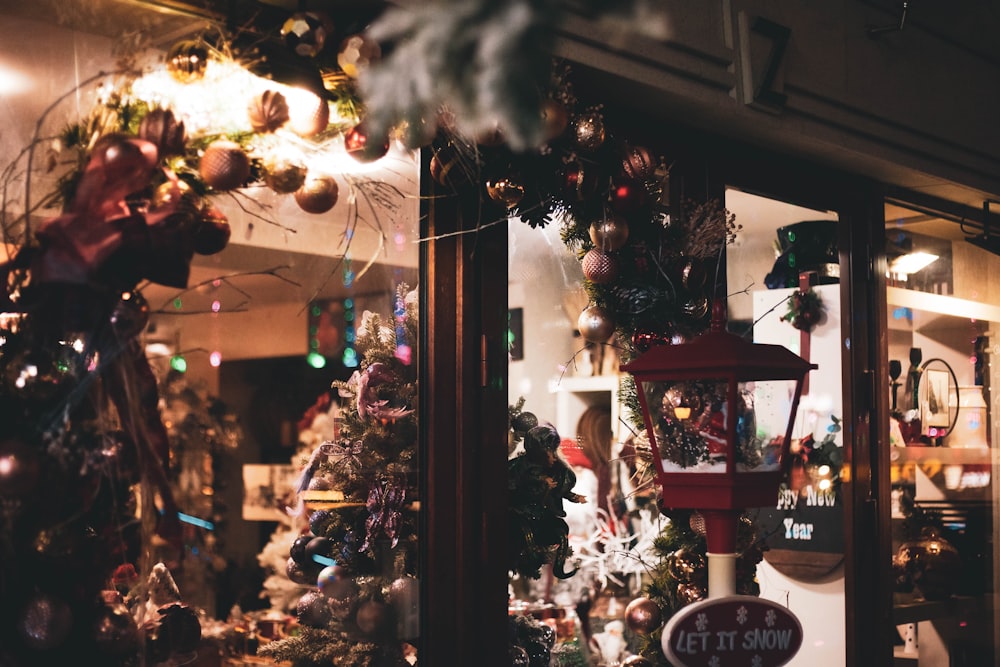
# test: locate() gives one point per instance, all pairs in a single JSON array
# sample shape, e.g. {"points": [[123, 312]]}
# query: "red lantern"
{"points": [[719, 412]]}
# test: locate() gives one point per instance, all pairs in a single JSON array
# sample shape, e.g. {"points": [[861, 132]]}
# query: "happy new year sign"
{"points": [[734, 631]]}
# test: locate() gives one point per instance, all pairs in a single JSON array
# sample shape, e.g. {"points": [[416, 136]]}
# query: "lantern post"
{"points": [[714, 448]]}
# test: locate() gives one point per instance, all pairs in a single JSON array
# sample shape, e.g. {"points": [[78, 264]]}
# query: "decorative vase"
{"points": [[932, 564]]}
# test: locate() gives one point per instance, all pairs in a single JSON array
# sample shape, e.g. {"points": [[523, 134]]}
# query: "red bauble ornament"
{"points": [[627, 196], [599, 267], [643, 616], [19, 468], [363, 147], [554, 119], [507, 190], [224, 165], [609, 234], [581, 180], [595, 324], [637, 162], [212, 233], [318, 194]]}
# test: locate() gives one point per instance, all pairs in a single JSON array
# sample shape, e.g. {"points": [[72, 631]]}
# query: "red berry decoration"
{"points": [[643, 616], [363, 147], [599, 267], [627, 196]]}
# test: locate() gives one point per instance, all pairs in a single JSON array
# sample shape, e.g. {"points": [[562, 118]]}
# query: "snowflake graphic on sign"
{"points": [[757, 661], [770, 617], [702, 622], [741, 615], [714, 661]]}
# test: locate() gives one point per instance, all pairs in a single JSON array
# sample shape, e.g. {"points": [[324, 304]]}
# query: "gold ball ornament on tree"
{"points": [[305, 33], [357, 53], [187, 60], [308, 115], [178, 194], [595, 324], [599, 267], [609, 233], [284, 176], [162, 129], [507, 190], [555, 119], [268, 111], [318, 194], [588, 131], [688, 593], [643, 616], [687, 566], [363, 147], [224, 165], [446, 167]]}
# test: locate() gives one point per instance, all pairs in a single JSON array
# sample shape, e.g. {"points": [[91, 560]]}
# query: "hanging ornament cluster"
{"points": [[646, 259]]}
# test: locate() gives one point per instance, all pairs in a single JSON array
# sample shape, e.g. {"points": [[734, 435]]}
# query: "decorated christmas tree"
{"points": [[360, 494]]}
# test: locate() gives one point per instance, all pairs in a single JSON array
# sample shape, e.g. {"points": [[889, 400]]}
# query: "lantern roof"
{"points": [[718, 353]]}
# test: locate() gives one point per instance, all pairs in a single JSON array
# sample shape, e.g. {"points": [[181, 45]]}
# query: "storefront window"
{"points": [[209, 361], [942, 308], [783, 279]]}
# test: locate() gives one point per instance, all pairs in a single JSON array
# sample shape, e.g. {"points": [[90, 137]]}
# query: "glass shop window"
{"points": [[783, 288], [208, 362], [942, 313]]}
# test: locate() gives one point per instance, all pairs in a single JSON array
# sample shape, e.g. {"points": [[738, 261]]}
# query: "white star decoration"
{"points": [[701, 622], [741, 615]]}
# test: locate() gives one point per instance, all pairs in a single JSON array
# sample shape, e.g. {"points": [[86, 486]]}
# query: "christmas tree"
{"points": [[361, 496]]}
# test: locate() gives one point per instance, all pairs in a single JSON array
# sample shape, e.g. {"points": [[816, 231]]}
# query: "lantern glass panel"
{"points": [[690, 421]]}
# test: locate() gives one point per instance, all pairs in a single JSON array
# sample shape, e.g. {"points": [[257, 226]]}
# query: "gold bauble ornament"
{"points": [[506, 190], [554, 119], [642, 615], [178, 194], [595, 324], [268, 111], [212, 233], [309, 115], [357, 53], [318, 194], [588, 131], [224, 165], [687, 566], [284, 176], [187, 60], [610, 233]]}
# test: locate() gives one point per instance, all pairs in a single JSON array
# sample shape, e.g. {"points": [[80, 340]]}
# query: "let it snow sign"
{"points": [[734, 631]]}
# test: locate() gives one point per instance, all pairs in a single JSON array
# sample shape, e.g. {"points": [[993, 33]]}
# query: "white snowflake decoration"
{"points": [[714, 661], [757, 661], [701, 622], [741, 615], [770, 617]]}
